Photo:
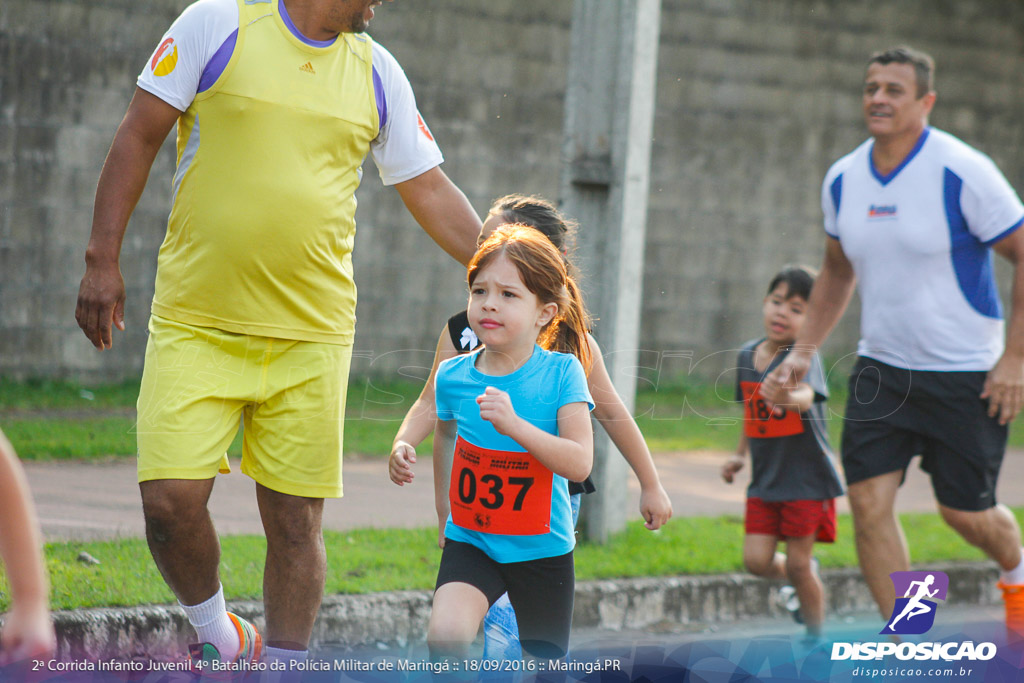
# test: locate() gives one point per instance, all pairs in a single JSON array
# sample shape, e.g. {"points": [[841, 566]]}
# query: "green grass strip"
{"points": [[695, 415], [371, 560], [44, 394], [62, 438]]}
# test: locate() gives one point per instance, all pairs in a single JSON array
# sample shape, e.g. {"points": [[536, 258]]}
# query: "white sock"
{"points": [[282, 655], [212, 624], [1015, 576]]}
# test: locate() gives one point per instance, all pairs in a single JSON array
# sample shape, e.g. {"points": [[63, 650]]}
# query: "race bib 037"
{"points": [[499, 492]]}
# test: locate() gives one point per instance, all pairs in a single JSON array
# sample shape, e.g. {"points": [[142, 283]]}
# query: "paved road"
{"points": [[101, 501]]}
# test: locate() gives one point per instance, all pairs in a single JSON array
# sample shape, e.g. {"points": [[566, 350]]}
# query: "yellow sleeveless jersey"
{"points": [[260, 235]]}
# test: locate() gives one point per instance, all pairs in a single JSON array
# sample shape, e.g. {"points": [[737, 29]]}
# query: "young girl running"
{"points": [[519, 417], [458, 337], [500, 631]]}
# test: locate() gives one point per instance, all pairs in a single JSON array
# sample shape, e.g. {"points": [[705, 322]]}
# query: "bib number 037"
{"points": [[499, 492], [492, 489]]}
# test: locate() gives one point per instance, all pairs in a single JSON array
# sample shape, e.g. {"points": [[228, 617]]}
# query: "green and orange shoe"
{"points": [[203, 655]]}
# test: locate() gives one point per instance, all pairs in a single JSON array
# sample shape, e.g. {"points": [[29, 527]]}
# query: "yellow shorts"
{"points": [[199, 383]]}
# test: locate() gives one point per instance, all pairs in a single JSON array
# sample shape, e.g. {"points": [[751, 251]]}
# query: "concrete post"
{"points": [[604, 185]]}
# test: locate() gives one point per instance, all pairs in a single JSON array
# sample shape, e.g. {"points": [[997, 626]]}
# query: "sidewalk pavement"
{"points": [[92, 501]]}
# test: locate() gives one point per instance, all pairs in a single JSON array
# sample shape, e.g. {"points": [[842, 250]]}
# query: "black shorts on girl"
{"points": [[541, 592], [893, 414]]}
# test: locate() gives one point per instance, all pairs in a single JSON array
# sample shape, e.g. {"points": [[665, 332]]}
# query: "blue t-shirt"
{"points": [[503, 500]]}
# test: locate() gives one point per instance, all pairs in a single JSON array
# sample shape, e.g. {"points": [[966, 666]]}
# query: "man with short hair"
{"points": [[912, 216], [277, 103]]}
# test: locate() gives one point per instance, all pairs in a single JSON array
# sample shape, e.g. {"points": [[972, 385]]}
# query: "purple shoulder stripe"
{"points": [[215, 67], [378, 93]]}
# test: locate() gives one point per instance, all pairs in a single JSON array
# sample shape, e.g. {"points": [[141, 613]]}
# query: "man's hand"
{"points": [[1004, 388], [787, 376], [400, 462], [101, 304], [731, 467], [496, 408]]}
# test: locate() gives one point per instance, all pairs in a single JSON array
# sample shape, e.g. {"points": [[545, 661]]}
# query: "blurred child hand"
{"points": [[731, 467], [27, 634], [403, 457], [496, 408], [655, 507]]}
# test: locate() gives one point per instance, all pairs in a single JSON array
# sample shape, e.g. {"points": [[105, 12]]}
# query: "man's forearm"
{"points": [[830, 296], [121, 183], [443, 212], [125, 171], [1015, 321]]}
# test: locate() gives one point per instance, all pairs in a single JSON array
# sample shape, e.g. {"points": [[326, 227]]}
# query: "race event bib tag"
{"points": [[499, 492], [761, 422]]}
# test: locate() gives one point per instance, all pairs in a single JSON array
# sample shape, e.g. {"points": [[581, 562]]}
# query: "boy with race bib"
{"points": [[793, 484]]}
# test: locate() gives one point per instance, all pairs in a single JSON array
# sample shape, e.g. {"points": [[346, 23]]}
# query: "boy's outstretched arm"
{"points": [[735, 463], [27, 631], [611, 412]]}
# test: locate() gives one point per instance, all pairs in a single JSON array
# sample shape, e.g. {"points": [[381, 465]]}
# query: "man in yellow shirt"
{"points": [[277, 102]]}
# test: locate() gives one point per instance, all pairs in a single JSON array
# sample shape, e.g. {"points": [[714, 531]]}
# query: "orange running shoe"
{"points": [[1013, 596]]}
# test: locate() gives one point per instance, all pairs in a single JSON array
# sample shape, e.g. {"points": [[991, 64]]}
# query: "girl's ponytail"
{"points": [[567, 333]]}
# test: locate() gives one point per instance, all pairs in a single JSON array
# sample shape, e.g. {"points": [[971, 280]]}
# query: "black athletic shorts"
{"points": [[893, 414], [541, 592]]}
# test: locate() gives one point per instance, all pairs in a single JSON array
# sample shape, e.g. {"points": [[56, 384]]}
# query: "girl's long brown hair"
{"points": [[545, 274]]}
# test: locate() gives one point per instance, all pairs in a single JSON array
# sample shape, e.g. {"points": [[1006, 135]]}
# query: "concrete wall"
{"points": [[755, 99]]}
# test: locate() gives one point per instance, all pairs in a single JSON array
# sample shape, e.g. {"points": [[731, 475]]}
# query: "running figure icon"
{"points": [[915, 606]]}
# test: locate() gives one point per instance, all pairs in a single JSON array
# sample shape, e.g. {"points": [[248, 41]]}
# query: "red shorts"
{"points": [[792, 518]]}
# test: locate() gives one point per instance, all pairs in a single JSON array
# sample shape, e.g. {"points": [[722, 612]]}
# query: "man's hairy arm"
{"points": [[101, 294]]}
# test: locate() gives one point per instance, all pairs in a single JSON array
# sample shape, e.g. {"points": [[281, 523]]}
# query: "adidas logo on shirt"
{"points": [[307, 68]]}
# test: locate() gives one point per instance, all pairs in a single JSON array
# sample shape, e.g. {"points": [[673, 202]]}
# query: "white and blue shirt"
{"points": [[919, 240]]}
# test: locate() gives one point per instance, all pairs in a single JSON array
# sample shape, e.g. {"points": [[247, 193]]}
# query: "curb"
{"points": [[400, 618]]}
